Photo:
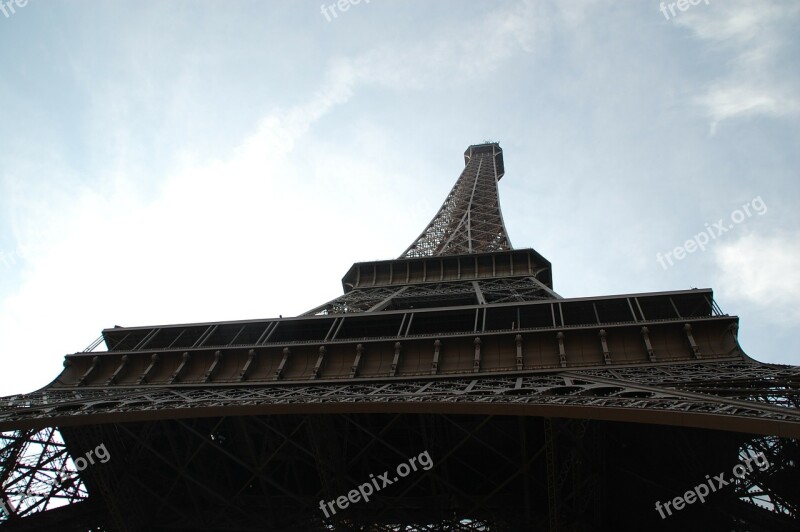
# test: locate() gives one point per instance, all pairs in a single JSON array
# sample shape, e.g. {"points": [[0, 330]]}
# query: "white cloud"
{"points": [[210, 243], [467, 50], [762, 271], [754, 34], [242, 237]]}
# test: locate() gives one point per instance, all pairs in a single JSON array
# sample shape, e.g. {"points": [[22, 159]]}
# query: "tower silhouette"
{"points": [[536, 412]]}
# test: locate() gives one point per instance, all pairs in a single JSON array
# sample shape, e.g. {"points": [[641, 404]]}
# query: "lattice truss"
{"points": [[470, 220], [756, 488], [503, 290], [769, 384], [731, 388], [36, 473], [719, 389]]}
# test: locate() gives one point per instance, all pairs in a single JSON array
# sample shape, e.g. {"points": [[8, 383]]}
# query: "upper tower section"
{"points": [[469, 220]]}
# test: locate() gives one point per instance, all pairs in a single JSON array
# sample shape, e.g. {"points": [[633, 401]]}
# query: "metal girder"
{"points": [[472, 292], [36, 473], [757, 398], [518, 336]]}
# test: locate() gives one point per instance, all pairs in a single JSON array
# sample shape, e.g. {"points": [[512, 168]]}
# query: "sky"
{"points": [[187, 161]]}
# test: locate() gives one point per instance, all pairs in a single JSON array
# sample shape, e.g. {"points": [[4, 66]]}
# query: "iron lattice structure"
{"points": [[538, 412], [470, 220]]}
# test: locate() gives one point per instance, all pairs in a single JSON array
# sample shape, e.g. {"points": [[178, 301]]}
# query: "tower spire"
{"points": [[450, 262], [469, 220]]}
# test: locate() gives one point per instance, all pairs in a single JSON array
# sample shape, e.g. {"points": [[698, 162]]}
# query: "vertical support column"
{"points": [[562, 355], [396, 360], [402, 324], [437, 345], [153, 361], [410, 321], [122, 364], [205, 336], [146, 340], [181, 368], [646, 337], [320, 360], [518, 340], [251, 357], [357, 361], [213, 367], [279, 371], [695, 350], [265, 336], [478, 293], [476, 363], [604, 345], [332, 328], [95, 362]]}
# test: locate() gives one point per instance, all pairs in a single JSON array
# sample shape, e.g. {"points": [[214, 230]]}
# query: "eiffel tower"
{"points": [[452, 384]]}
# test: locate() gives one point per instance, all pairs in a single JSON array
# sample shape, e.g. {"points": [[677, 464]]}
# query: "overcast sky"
{"points": [[181, 161]]}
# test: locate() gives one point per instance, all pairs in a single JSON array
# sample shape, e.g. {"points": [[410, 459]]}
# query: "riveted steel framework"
{"points": [[470, 220], [537, 411]]}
